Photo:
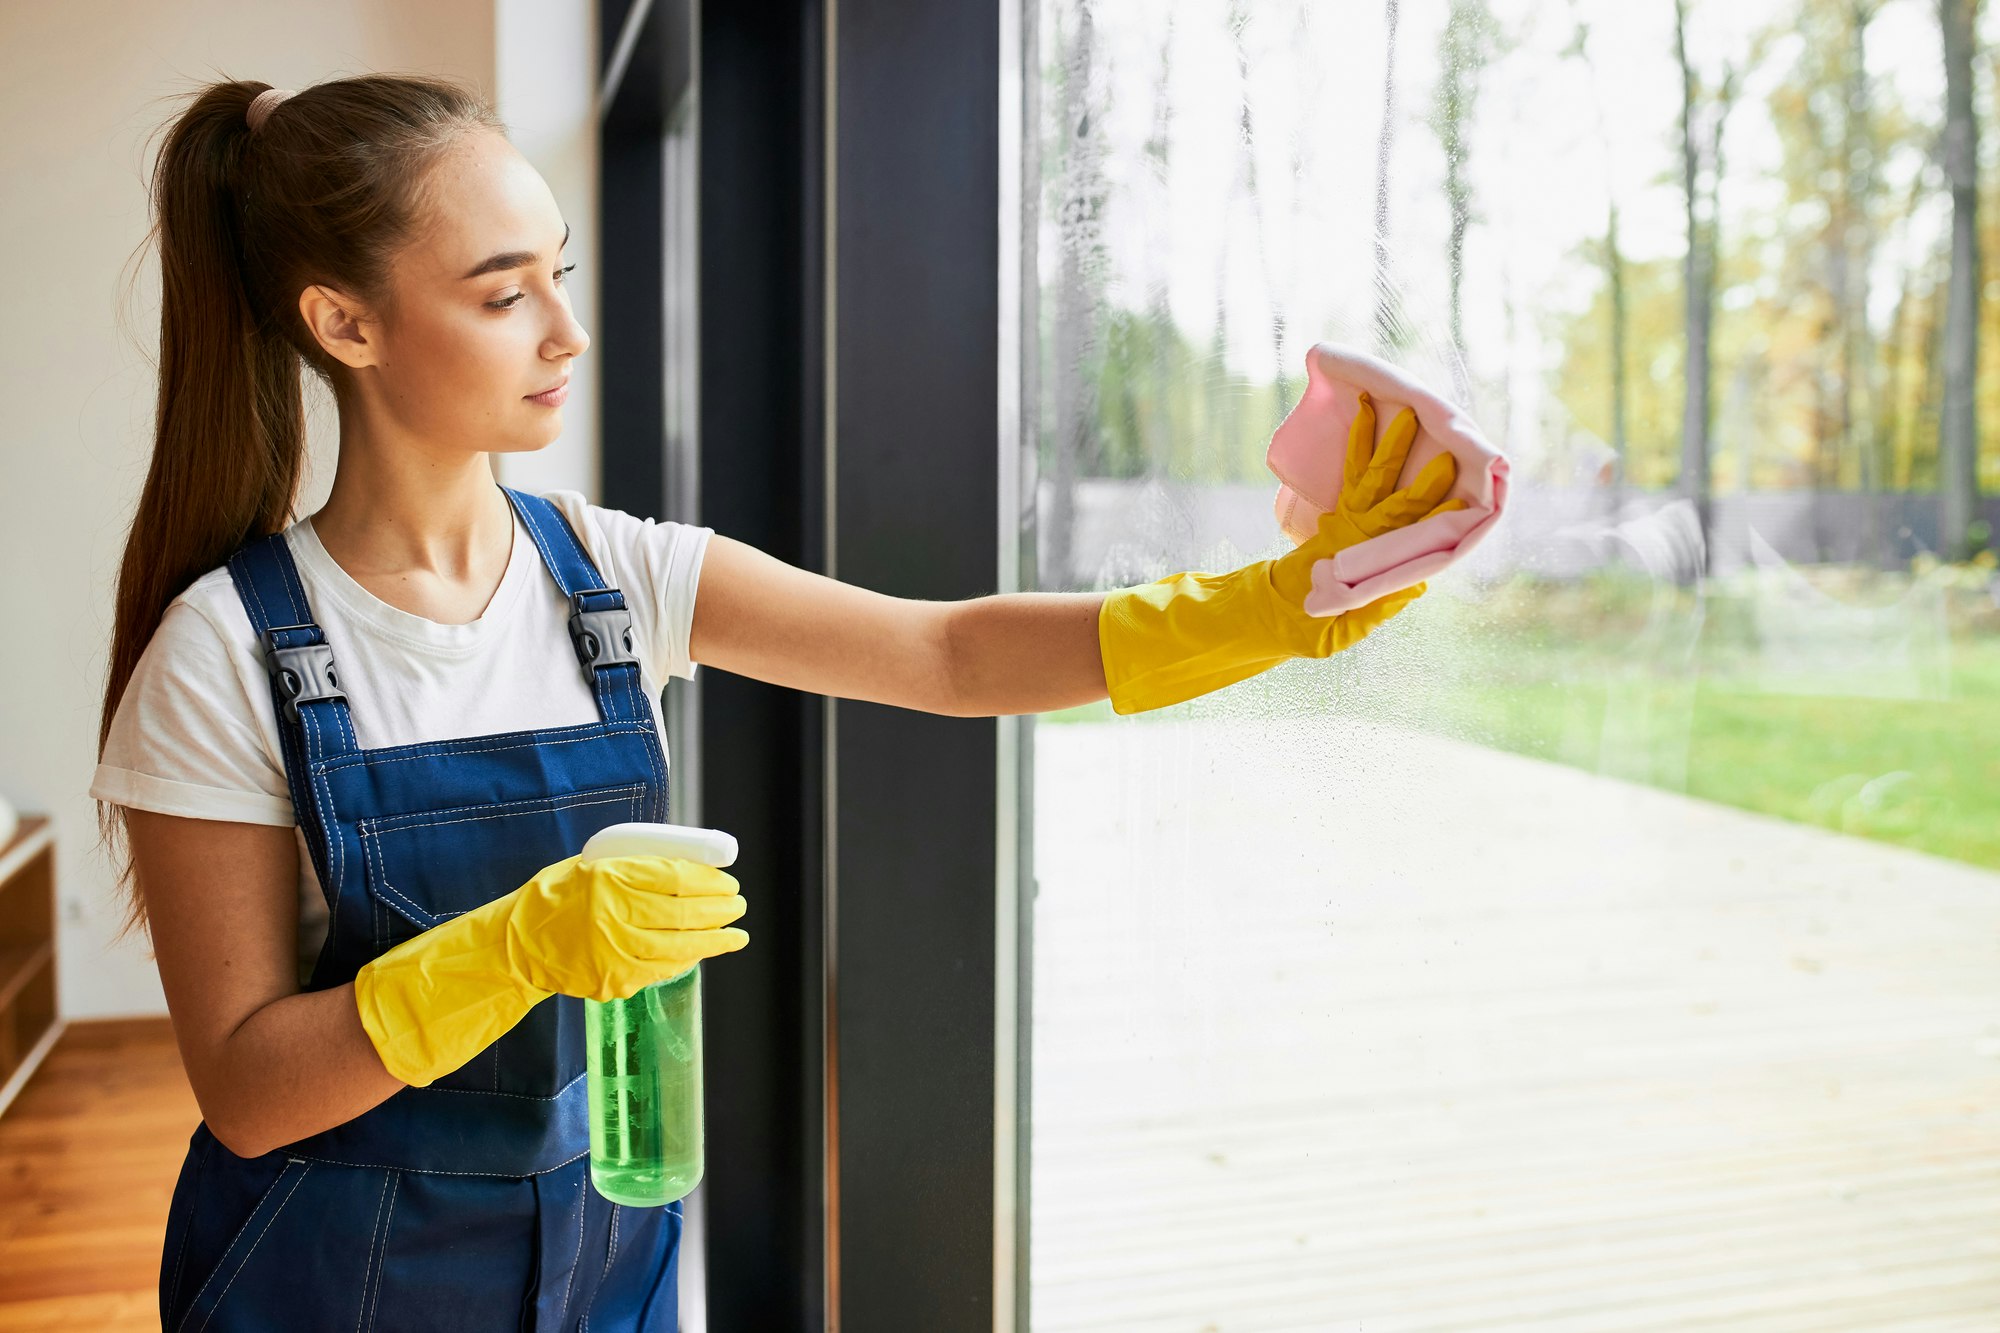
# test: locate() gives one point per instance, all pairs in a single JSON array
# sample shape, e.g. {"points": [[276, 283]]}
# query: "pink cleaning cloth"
{"points": [[1309, 455]]}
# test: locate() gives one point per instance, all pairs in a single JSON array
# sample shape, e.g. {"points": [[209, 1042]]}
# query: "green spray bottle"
{"points": [[643, 1053]]}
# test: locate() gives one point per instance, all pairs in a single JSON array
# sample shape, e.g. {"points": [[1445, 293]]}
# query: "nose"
{"points": [[569, 337]]}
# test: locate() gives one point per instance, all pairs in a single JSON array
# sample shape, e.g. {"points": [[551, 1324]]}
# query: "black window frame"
{"points": [[855, 349]]}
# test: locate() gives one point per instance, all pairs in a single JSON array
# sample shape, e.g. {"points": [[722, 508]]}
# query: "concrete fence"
{"points": [[1124, 531]]}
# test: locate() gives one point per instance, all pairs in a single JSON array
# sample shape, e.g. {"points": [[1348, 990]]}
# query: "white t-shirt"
{"points": [[196, 732]]}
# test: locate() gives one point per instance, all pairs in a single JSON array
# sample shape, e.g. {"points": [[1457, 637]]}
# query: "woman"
{"points": [[355, 753]]}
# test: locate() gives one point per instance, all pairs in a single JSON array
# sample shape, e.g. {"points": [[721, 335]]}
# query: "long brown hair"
{"points": [[327, 190]]}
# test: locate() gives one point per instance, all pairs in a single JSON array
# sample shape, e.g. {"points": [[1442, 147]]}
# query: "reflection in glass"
{"points": [[1611, 939]]}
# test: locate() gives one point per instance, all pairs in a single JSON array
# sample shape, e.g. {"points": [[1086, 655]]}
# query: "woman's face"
{"points": [[481, 317]]}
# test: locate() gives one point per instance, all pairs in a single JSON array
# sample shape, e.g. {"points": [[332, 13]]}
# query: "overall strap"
{"points": [[313, 721], [600, 624]]}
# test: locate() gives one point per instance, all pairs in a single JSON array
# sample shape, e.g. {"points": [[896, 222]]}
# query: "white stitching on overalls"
{"points": [[452, 748], [396, 1184], [247, 1253], [548, 557], [656, 756], [610, 796], [576, 1260], [187, 1223], [374, 1239], [610, 1250], [381, 824], [323, 806], [438, 1171], [241, 1228], [598, 685], [339, 885], [562, 521], [524, 1096], [288, 578], [631, 677], [250, 585]]}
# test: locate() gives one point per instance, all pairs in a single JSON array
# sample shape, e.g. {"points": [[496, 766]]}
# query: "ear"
{"points": [[339, 323]]}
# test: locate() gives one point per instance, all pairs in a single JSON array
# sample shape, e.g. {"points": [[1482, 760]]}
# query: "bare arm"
{"points": [[757, 616], [268, 1063], [1026, 652]]}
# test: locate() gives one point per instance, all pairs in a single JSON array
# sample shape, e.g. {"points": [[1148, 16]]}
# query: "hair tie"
{"points": [[261, 105]]}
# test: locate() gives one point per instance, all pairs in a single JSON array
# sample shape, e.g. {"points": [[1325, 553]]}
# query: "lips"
{"points": [[551, 389]]}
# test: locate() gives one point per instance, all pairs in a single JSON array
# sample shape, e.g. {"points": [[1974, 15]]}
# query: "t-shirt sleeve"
{"points": [[185, 739], [657, 564]]}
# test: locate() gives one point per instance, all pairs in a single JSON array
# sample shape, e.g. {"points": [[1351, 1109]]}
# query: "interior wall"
{"points": [[544, 70], [84, 88]]}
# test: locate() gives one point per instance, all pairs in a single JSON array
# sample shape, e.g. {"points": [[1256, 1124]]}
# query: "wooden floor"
{"points": [[88, 1156], [1343, 1029]]}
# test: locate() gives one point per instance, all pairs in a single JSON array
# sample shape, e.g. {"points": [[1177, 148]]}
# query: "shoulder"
{"points": [[626, 546], [202, 657], [656, 562], [192, 733], [206, 621]]}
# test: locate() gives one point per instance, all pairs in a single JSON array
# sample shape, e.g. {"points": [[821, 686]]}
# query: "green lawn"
{"points": [[1924, 773], [1586, 677]]}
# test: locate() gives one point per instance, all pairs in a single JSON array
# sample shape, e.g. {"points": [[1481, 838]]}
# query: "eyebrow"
{"points": [[510, 259]]}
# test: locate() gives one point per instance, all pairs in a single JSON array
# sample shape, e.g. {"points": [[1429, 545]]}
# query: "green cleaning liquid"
{"points": [[643, 1053]]}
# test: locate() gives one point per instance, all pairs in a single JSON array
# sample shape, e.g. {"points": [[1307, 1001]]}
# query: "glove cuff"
{"points": [[432, 1003], [1188, 634]]}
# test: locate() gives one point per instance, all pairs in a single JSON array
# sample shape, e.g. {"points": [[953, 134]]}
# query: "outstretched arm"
{"points": [[757, 616], [1143, 648]]}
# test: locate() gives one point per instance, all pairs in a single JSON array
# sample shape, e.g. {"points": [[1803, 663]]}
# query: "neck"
{"points": [[415, 515]]}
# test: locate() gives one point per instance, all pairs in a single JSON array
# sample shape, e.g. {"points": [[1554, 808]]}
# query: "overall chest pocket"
{"points": [[425, 868]]}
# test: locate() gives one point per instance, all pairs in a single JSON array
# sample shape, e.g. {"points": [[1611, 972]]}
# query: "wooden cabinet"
{"points": [[28, 1023]]}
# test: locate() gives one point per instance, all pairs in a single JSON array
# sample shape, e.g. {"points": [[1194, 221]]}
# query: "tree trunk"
{"points": [[1246, 176], [1463, 50], [1614, 259], [1958, 434], [1860, 389], [1696, 284], [1386, 333], [1079, 204]]}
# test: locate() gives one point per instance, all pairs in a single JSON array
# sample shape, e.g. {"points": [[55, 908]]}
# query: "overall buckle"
{"points": [[603, 638], [303, 674]]}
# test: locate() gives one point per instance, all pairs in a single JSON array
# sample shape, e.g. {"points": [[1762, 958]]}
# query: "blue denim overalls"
{"points": [[466, 1204]]}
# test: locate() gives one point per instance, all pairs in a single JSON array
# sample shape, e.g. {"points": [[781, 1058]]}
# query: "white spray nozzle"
{"points": [[711, 847]]}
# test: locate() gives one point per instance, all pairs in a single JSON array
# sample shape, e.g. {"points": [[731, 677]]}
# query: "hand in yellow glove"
{"points": [[602, 929], [1369, 503], [1188, 634]]}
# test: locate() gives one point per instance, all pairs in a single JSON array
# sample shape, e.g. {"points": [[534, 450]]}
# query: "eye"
{"points": [[509, 303]]}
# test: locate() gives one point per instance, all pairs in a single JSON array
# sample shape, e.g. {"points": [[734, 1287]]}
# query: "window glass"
{"points": [[1612, 939]]}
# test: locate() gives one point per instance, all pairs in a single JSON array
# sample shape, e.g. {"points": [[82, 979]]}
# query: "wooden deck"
{"points": [[1435, 1038]]}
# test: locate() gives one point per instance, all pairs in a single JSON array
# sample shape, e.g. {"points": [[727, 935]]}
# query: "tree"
{"points": [[1857, 387], [1246, 182], [1958, 435], [1700, 162], [1464, 47], [1387, 330], [1078, 205], [1614, 271]]}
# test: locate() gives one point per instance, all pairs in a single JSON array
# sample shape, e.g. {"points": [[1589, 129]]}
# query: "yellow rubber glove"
{"points": [[1187, 634], [602, 929]]}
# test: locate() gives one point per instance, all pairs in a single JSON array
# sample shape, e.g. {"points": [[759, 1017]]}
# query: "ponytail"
{"points": [[326, 189]]}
